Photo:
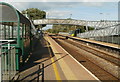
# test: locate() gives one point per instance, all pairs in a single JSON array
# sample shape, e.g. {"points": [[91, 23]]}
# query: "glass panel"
{"points": [[1, 32], [8, 13], [21, 31], [15, 31], [8, 31]]}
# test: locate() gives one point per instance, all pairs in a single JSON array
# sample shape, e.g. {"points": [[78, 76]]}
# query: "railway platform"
{"points": [[49, 61], [27, 56], [110, 45]]}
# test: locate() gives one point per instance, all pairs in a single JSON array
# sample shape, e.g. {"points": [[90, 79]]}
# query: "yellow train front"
{"points": [[74, 32]]}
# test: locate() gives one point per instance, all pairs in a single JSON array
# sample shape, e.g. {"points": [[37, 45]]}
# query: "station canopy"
{"points": [[10, 14]]}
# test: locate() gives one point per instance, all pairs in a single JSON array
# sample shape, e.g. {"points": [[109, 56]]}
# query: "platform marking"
{"points": [[54, 65], [80, 64], [66, 70]]}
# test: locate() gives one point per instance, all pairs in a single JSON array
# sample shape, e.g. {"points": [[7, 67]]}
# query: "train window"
{"points": [[1, 31], [15, 32], [20, 31], [11, 32]]}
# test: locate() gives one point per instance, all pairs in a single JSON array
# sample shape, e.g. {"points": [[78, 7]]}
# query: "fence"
{"points": [[109, 34], [7, 60]]}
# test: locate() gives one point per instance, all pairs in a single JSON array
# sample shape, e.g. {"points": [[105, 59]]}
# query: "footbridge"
{"points": [[95, 24], [104, 30]]}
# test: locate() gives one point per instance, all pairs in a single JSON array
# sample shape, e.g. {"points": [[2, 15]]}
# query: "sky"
{"points": [[75, 9]]}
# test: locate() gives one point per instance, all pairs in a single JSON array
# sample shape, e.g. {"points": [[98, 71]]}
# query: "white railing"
{"points": [[110, 34], [7, 60]]}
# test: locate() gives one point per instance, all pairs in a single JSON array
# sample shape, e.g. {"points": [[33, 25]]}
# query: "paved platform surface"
{"points": [[50, 62]]}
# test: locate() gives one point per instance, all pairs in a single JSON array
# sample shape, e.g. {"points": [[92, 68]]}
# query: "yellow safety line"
{"points": [[54, 65], [65, 68]]}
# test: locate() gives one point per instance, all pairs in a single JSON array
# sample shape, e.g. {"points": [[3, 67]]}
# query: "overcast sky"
{"points": [[76, 9]]}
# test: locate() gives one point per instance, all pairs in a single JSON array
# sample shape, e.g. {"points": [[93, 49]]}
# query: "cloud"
{"points": [[43, 5], [84, 10], [58, 14], [20, 5], [61, 0], [94, 4], [53, 9]]}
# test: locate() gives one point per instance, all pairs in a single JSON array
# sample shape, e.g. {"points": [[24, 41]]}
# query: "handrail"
{"points": [[5, 42], [7, 60]]}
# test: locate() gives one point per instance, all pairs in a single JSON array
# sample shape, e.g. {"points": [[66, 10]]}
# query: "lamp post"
{"points": [[70, 16], [107, 39], [102, 37], [108, 15], [47, 15], [102, 16], [107, 34]]}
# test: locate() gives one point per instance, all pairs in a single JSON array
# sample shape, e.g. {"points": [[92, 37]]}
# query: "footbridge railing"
{"points": [[95, 24]]}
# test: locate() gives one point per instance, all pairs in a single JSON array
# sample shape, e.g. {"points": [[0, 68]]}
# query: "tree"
{"points": [[35, 13], [68, 28]]}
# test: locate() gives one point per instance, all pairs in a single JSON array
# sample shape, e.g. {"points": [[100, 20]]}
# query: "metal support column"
{"points": [[0, 65], [86, 26]]}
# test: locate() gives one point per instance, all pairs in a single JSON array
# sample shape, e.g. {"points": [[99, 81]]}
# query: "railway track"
{"points": [[106, 56], [93, 59]]}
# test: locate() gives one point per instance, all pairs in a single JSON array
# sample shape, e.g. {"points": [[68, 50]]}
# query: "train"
{"points": [[75, 32], [15, 26]]}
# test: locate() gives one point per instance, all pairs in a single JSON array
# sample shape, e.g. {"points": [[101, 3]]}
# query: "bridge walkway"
{"points": [[50, 62]]}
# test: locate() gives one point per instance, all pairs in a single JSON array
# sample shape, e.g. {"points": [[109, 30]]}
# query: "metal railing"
{"points": [[7, 60], [109, 35]]}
